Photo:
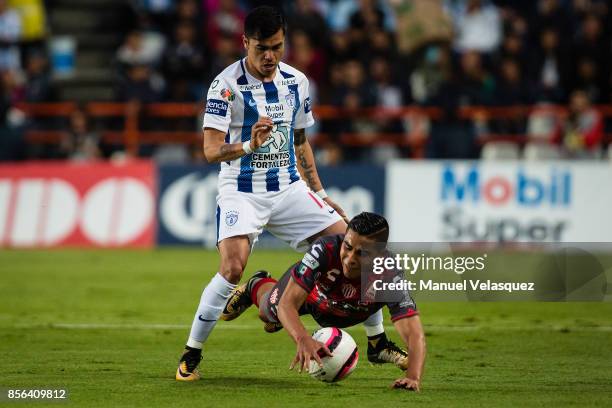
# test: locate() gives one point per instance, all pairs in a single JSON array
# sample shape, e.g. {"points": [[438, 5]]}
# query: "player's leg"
{"points": [[257, 291], [300, 216], [380, 348], [268, 299], [246, 295], [240, 219], [262, 291], [339, 227], [374, 324], [234, 253]]}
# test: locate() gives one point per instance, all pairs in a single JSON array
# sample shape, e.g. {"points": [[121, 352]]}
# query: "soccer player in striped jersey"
{"points": [[256, 113]]}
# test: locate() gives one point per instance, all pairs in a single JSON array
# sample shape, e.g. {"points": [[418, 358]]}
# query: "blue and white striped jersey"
{"points": [[235, 102]]}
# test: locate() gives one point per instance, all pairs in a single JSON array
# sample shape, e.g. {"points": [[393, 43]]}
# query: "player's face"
{"points": [[356, 251], [264, 55]]}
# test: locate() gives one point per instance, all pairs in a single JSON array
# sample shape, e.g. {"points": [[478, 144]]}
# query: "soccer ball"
{"points": [[344, 355]]}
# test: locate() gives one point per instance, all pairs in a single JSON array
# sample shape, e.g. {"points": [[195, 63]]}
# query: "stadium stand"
{"points": [[512, 78]]}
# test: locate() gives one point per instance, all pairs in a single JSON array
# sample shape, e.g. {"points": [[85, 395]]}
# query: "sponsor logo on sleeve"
{"points": [[227, 94], [310, 261], [408, 303], [216, 107], [302, 270], [307, 105]]}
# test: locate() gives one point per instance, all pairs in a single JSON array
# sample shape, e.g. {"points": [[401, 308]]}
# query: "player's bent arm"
{"points": [[289, 305], [308, 348], [305, 160], [308, 169], [215, 148], [411, 331]]}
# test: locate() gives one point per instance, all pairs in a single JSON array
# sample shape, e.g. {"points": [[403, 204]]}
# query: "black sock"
{"points": [[251, 284], [253, 281], [374, 341], [193, 349]]}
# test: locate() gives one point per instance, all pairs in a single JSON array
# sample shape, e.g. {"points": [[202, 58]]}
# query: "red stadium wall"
{"points": [[72, 204]]}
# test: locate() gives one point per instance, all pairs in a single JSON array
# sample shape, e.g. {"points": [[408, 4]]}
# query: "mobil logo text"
{"points": [[472, 185]]}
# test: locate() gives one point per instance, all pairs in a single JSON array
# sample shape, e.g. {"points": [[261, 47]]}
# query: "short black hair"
{"points": [[263, 22], [371, 225]]}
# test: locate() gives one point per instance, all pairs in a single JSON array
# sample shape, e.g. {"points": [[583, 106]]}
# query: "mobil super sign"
{"points": [[504, 203], [522, 188]]}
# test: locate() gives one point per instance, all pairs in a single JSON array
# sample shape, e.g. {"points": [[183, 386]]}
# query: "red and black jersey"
{"points": [[334, 300]]}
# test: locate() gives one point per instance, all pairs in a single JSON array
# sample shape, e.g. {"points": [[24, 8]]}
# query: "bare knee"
{"points": [[231, 269], [234, 254]]}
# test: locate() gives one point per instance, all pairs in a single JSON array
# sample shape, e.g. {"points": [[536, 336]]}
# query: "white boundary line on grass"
{"points": [[230, 326]]}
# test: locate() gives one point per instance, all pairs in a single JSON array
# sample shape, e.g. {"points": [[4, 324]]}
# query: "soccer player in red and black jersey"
{"points": [[327, 285]]}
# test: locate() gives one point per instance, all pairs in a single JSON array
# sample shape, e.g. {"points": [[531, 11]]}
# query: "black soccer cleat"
{"points": [[240, 299], [188, 365], [385, 351]]}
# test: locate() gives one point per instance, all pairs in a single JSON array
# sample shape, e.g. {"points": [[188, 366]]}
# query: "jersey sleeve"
{"points": [[219, 101], [314, 262], [403, 306], [303, 117]]}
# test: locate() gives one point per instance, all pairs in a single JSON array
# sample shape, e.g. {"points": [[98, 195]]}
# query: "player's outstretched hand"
{"points": [[336, 207], [407, 384], [260, 132], [309, 349]]}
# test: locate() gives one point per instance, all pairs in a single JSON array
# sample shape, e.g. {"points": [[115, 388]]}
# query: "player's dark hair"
{"points": [[263, 22], [371, 225]]}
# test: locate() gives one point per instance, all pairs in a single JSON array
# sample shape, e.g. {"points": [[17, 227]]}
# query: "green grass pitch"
{"points": [[109, 327]]}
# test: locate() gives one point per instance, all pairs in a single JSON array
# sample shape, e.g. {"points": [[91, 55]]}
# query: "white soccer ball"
{"points": [[344, 355]]}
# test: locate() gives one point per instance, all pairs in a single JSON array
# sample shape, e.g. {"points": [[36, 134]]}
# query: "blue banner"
{"points": [[187, 200], [355, 187], [186, 205]]}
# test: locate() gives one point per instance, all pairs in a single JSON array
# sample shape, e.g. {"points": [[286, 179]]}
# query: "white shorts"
{"points": [[292, 215]]}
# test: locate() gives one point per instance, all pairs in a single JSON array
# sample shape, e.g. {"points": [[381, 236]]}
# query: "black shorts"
{"points": [[271, 300]]}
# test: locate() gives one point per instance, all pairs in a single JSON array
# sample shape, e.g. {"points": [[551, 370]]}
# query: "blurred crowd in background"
{"points": [[357, 54]]}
